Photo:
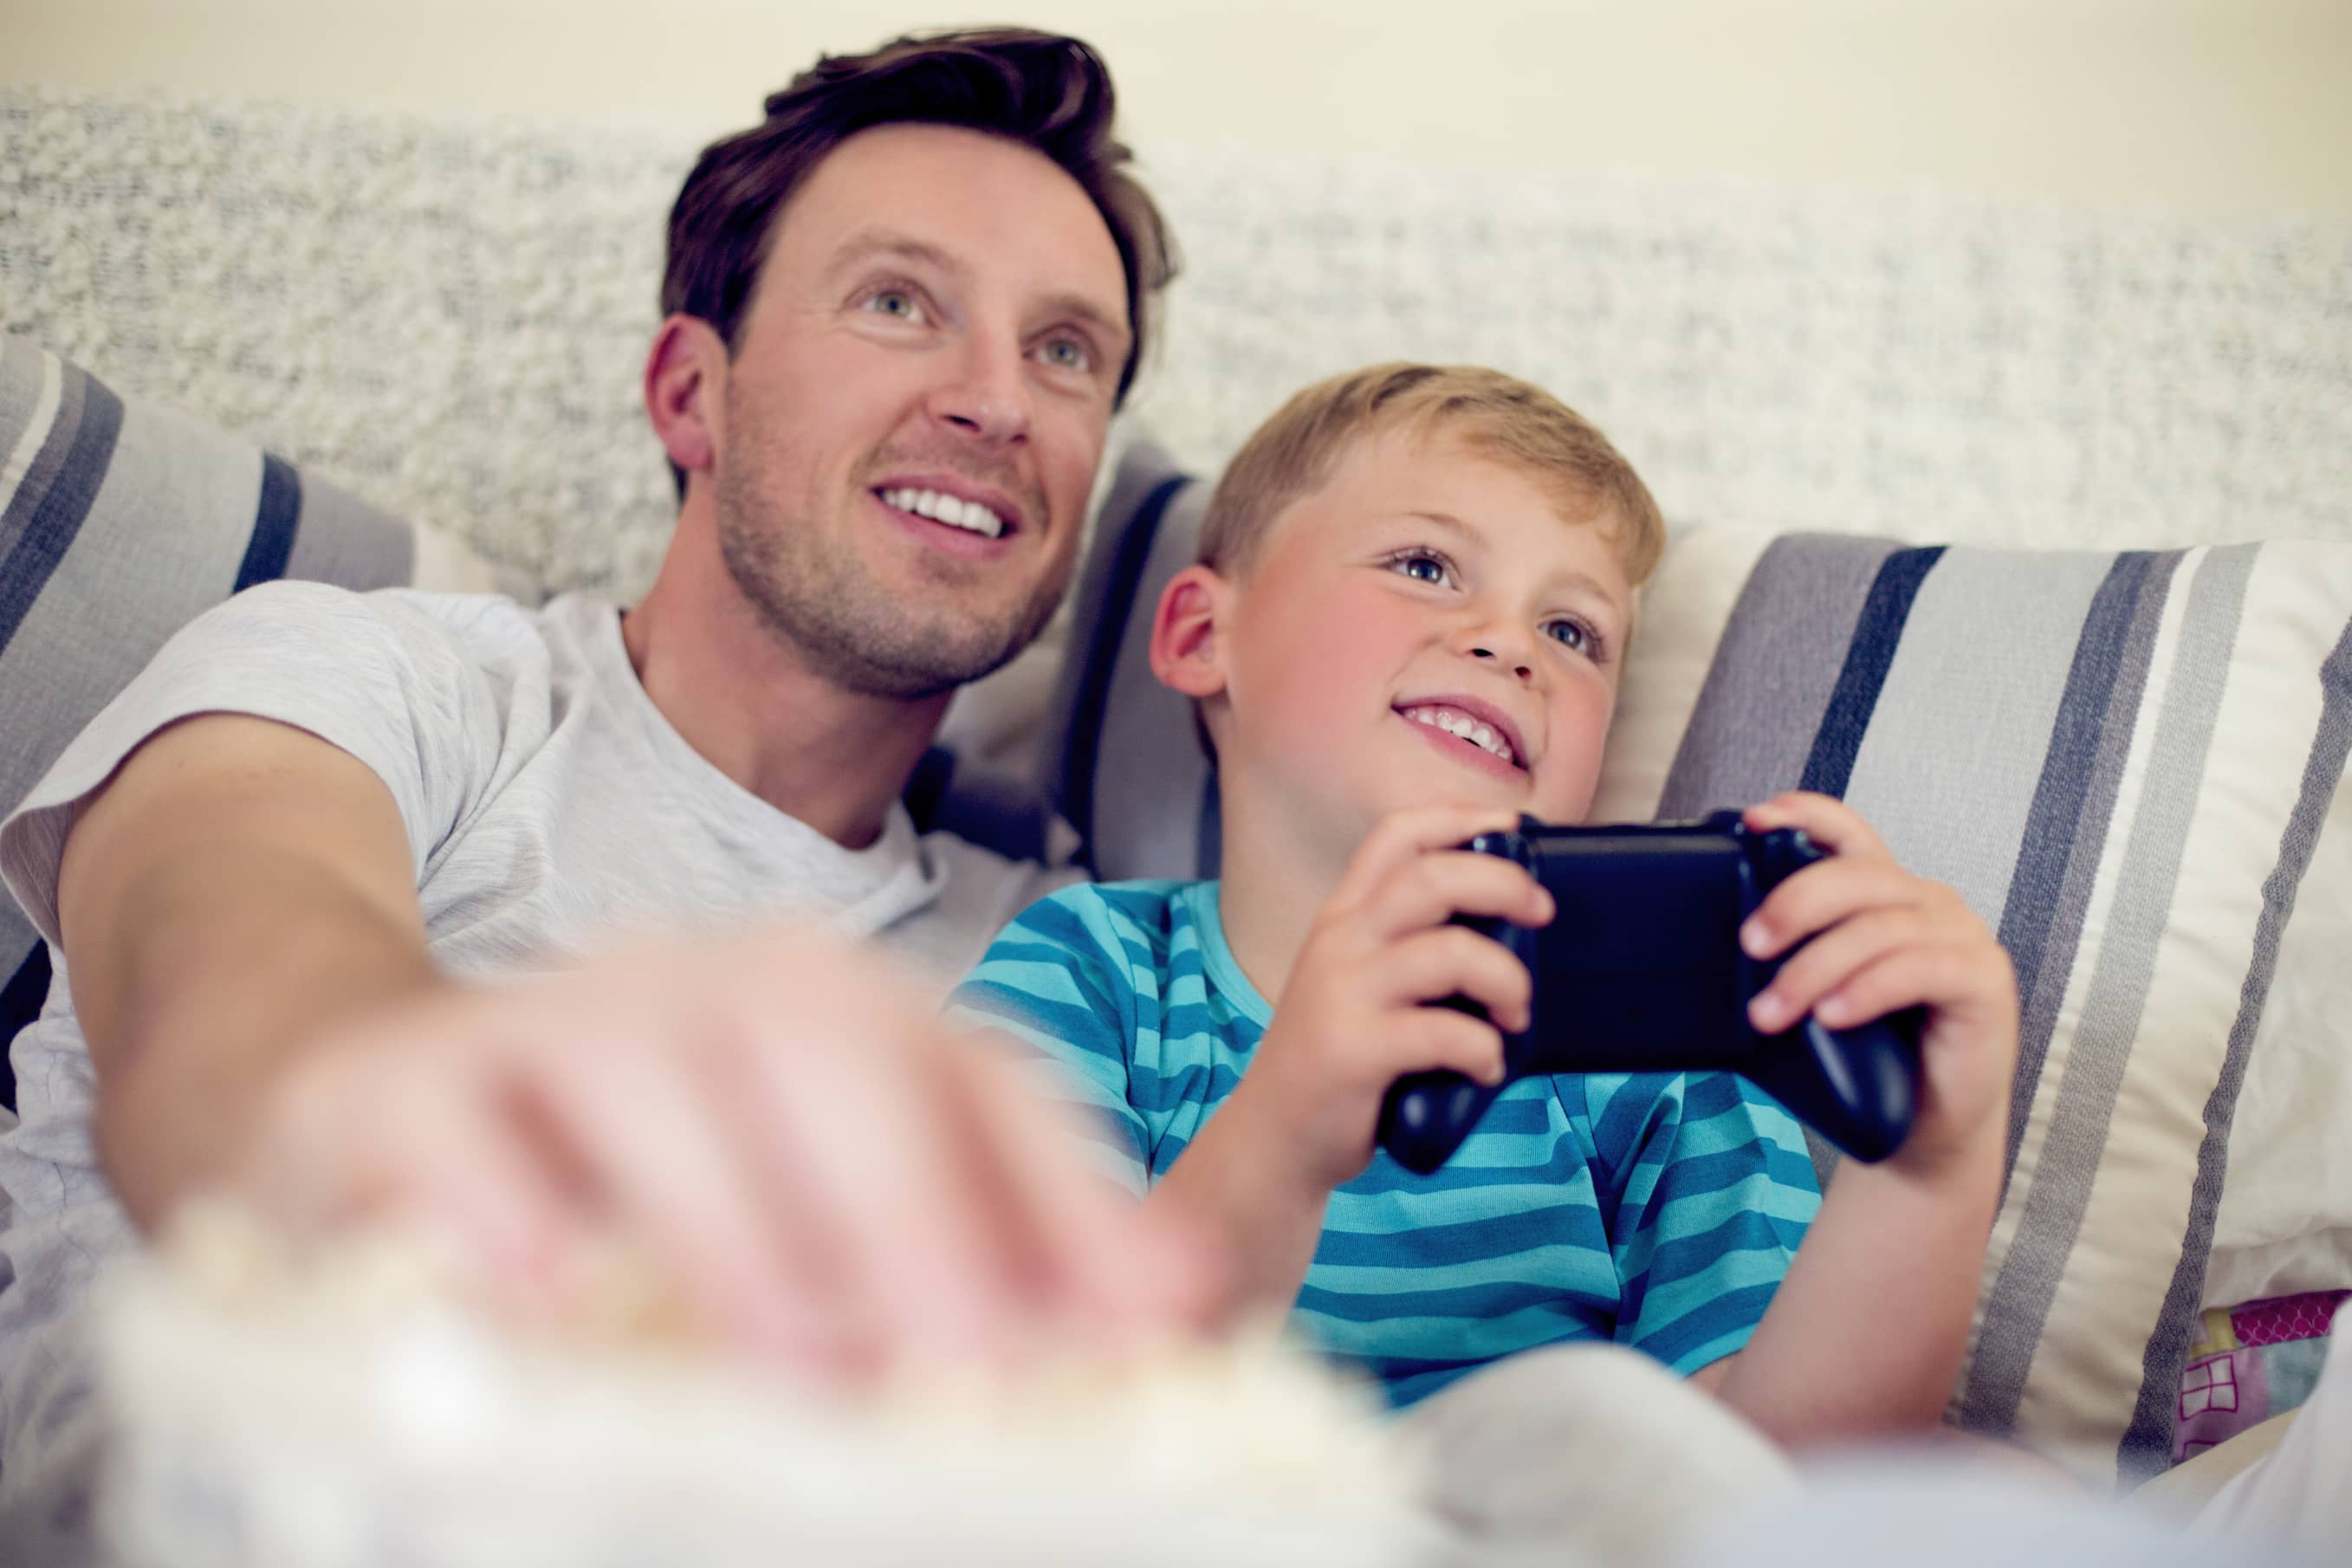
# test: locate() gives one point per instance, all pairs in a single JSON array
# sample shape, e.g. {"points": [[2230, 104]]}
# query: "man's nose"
{"points": [[985, 390]]}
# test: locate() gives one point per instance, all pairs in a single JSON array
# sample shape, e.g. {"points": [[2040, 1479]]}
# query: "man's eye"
{"points": [[1067, 353], [1421, 568]]}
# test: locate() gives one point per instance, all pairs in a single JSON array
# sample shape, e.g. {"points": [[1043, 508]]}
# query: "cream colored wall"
{"points": [[2198, 106]]}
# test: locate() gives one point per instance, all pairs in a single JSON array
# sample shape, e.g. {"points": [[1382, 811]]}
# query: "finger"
{"points": [[1832, 958], [1435, 1037], [1450, 960], [1829, 823], [1405, 836], [652, 1155], [1823, 894], [1434, 886], [409, 1141], [1950, 977], [851, 1131], [1105, 1268]]}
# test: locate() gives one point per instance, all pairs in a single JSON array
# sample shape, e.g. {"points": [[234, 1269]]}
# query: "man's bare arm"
{"points": [[815, 1170], [239, 887]]}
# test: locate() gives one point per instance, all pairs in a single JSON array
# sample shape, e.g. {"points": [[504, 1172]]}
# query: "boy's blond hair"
{"points": [[1497, 415]]}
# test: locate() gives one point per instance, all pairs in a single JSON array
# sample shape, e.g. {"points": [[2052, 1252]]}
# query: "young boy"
{"points": [[1415, 588]]}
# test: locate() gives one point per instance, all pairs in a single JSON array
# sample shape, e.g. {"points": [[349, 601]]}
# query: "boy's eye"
{"points": [[1421, 566], [1574, 635]]}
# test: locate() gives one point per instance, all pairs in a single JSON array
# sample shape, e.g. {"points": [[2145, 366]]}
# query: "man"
{"points": [[279, 873]]}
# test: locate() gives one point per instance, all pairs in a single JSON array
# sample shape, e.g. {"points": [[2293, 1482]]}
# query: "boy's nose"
{"points": [[1521, 670]]}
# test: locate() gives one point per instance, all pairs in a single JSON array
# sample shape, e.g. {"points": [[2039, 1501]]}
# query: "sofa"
{"points": [[2023, 527]]}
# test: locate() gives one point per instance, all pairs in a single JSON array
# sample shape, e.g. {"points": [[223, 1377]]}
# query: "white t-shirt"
{"points": [[550, 808]]}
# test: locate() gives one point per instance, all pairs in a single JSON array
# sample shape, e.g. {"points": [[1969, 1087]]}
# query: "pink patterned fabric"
{"points": [[2255, 1361], [2284, 1318]]}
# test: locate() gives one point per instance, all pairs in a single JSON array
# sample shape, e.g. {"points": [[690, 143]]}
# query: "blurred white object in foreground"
{"points": [[347, 1413]]}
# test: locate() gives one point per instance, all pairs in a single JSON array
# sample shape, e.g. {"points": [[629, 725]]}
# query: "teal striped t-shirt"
{"points": [[1658, 1210]]}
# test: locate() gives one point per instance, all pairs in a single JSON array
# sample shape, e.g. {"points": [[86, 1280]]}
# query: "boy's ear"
{"points": [[682, 392], [1187, 641]]}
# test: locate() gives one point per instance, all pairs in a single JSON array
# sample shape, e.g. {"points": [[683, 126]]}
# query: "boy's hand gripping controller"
{"points": [[1641, 971]]}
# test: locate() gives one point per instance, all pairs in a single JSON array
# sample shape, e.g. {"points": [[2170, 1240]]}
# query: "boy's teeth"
{"points": [[1480, 735], [968, 515]]}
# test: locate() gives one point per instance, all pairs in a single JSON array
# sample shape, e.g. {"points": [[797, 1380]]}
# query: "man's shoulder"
{"points": [[482, 628], [496, 629]]}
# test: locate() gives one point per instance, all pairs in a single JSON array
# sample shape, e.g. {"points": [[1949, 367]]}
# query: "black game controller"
{"points": [[1641, 971]]}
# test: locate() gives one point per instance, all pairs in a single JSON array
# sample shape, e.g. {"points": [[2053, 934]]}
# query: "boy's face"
{"points": [[1425, 591]]}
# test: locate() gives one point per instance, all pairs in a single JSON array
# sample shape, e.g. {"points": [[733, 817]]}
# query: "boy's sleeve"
{"points": [[1705, 1188], [1057, 982]]}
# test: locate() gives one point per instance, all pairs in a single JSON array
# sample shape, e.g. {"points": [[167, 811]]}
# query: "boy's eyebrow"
{"points": [[1451, 525], [1444, 519]]}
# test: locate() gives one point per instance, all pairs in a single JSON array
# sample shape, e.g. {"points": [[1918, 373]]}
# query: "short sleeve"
{"points": [[1705, 1189], [370, 674], [1056, 981]]}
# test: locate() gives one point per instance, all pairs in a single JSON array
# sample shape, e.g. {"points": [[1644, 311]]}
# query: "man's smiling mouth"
{"points": [[969, 515]]}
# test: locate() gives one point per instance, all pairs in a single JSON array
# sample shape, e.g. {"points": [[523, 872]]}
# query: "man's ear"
{"points": [[1187, 640], [685, 388]]}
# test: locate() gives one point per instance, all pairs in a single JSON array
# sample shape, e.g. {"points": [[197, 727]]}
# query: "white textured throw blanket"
{"points": [[449, 316]]}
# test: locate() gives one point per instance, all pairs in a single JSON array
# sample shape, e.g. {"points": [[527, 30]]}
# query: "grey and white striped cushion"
{"points": [[1124, 766], [2132, 765], [119, 521]]}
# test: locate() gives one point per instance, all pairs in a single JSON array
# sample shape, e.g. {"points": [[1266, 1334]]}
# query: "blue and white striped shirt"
{"points": [[1657, 1210]]}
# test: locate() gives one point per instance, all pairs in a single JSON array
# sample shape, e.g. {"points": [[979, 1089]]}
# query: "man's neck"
{"points": [[1274, 882], [751, 707]]}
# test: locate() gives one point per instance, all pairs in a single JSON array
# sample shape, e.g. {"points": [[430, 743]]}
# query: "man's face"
{"points": [[915, 410], [1422, 591]]}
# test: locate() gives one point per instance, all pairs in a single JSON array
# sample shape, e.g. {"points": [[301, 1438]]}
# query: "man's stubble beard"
{"points": [[853, 631]]}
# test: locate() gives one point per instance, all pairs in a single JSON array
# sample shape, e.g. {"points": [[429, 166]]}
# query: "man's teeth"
{"points": [[956, 512], [1461, 724]]}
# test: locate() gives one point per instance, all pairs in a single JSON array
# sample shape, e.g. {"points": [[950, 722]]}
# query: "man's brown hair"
{"points": [[1498, 415], [1047, 92]]}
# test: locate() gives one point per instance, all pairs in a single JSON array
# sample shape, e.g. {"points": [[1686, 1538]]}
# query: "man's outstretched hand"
{"points": [[811, 1167]]}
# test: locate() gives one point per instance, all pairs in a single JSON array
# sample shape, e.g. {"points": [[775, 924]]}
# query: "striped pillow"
{"points": [[1126, 769], [2132, 765], [119, 521]]}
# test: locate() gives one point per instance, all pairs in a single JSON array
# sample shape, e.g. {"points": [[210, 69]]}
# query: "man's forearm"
{"points": [[1866, 1333], [223, 961]]}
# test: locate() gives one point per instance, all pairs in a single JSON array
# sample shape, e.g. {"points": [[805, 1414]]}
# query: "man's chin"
{"points": [[869, 641], [915, 663]]}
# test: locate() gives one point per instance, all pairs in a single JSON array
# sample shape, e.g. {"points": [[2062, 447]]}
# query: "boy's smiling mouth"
{"points": [[1473, 723]]}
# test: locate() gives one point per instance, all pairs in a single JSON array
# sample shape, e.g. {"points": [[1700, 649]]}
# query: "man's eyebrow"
{"points": [[872, 242], [1088, 313], [868, 242]]}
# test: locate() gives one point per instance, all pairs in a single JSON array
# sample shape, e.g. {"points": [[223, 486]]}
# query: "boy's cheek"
{"points": [[1570, 774]]}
